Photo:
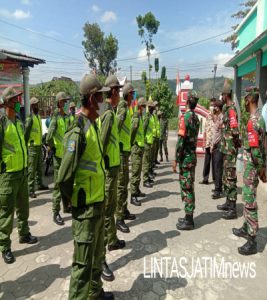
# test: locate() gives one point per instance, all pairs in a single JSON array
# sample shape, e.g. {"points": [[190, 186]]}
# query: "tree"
{"points": [[100, 51], [246, 6], [156, 65], [163, 73], [161, 92], [147, 27]]}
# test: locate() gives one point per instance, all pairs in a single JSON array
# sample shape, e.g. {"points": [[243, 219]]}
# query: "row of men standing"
{"points": [[253, 143]]}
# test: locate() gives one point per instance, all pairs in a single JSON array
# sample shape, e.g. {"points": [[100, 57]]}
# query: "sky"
{"points": [[53, 30]]}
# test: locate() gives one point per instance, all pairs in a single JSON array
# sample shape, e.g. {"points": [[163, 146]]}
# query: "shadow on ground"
{"points": [[165, 180], [151, 288], [151, 214], [158, 195], [56, 238], [33, 282], [262, 239], [144, 244]]}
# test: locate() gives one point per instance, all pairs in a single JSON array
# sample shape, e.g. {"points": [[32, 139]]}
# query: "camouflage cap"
{"points": [[90, 85], [252, 91], [150, 103], [127, 88], [34, 100], [192, 94], [72, 104], [10, 93], [159, 113], [112, 82], [62, 96], [141, 101], [156, 103]]}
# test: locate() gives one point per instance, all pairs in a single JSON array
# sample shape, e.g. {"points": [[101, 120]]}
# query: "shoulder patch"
{"points": [[71, 146], [233, 119], [182, 128], [253, 137]]}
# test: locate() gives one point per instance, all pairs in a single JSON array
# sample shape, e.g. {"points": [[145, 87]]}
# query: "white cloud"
{"points": [[95, 8], [108, 16], [143, 57], [220, 59], [26, 2], [17, 14]]}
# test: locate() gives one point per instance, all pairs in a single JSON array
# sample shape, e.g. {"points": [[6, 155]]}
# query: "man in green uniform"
{"points": [[138, 143], [254, 168], [81, 179], [148, 132], [229, 147], [124, 127], [187, 159], [157, 135], [57, 128], [111, 153], [33, 137], [13, 176], [163, 137], [72, 109]]}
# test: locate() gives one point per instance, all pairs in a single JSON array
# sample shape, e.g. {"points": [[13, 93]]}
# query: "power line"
{"points": [[180, 47], [42, 34]]}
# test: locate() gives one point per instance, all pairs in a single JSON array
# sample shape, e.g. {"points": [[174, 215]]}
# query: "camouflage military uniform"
{"points": [[229, 148], [187, 159], [254, 162], [163, 137]]}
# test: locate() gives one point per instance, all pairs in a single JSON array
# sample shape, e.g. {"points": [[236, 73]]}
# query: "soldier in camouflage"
{"points": [[163, 137], [254, 168], [187, 159], [229, 147]]}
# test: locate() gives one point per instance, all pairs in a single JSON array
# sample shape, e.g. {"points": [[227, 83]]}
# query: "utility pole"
{"points": [[214, 77], [131, 74]]}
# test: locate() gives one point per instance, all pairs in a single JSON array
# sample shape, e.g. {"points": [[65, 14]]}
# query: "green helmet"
{"points": [[252, 91], [127, 88], [90, 85], [112, 82], [150, 103], [10, 93], [142, 101], [62, 96], [34, 100], [192, 94]]}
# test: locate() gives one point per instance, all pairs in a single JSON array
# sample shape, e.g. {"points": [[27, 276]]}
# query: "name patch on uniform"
{"points": [[71, 146]]}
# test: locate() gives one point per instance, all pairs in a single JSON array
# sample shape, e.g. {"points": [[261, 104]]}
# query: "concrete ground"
{"points": [[159, 262]]}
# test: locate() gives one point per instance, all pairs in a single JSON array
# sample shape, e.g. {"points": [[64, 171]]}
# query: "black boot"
{"points": [[122, 226], [147, 184], [181, 220], [28, 239], [224, 206], [230, 214], [188, 223], [119, 245], [8, 256], [140, 194], [32, 195], [107, 274], [135, 201], [161, 159], [58, 220], [157, 162], [250, 247], [167, 159], [43, 187], [241, 232], [128, 215], [105, 296], [217, 195]]}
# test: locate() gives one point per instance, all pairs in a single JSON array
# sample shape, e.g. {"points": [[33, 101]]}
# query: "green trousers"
{"points": [[136, 159], [250, 181], [123, 181], [156, 150], [147, 161], [13, 197], [187, 180], [229, 176], [110, 206], [88, 235], [56, 193], [34, 167], [163, 143]]}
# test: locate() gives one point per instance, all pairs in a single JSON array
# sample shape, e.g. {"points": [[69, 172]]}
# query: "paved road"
{"points": [[200, 264]]}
